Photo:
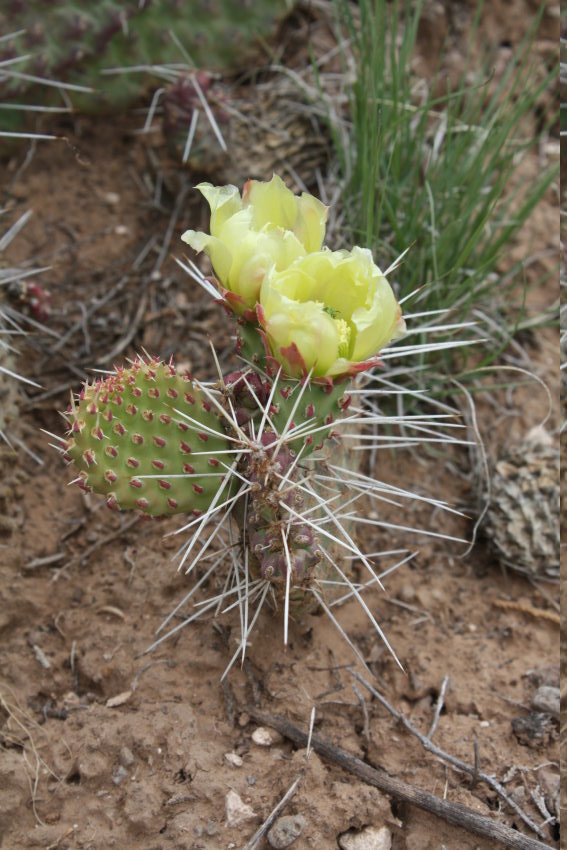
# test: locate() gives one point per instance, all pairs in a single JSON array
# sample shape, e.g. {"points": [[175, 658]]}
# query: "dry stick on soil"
{"points": [[453, 813], [472, 770]]}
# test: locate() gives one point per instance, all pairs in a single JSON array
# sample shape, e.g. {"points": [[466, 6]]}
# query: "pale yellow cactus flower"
{"points": [[268, 227], [329, 313]]}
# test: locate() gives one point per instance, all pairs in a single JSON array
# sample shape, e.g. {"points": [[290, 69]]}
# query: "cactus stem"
{"points": [[288, 424], [231, 418]]}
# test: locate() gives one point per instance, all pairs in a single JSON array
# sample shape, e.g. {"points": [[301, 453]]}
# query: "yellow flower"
{"points": [[267, 227], [330, 312]]}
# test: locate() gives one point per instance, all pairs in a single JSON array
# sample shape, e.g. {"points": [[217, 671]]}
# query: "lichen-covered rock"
{"points": [[522, 522]]}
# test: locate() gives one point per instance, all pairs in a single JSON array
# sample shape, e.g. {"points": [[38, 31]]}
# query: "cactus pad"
{"points": [[75, 43], [147, 439]]}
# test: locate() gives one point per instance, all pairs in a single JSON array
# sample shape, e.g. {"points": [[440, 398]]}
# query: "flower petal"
{"points": [[224, 202], [221, 258]]}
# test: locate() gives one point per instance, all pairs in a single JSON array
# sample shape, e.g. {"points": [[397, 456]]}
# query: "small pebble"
{"points": [[407, 594], [233, 759], [264, 737], [126, 757], [211, 828], [369, 838], [251, 780], [547, 700], [119, 699], [119, 774], [237, 812], [285, 830]]}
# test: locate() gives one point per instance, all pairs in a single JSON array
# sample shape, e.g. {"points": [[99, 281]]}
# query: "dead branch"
{"points": [[453, 813], [473, 770]]}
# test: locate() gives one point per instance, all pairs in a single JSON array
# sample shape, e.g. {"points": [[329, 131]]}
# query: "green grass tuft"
{"points": [[441, 174]]}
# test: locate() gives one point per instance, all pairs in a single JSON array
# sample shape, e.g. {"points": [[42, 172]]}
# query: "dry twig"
{"points": [[453, 813], [472, 770]]}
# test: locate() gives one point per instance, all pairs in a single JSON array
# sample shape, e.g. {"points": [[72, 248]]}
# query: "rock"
{"points": [[93, 765], [119, 699], [233, 759], [212, 828], [237, 812], [536, 730], [126, 757], [264, 737], [285, 830], [119, 774], [142, 808], [369, 838], [547, 700], [548, 675]]}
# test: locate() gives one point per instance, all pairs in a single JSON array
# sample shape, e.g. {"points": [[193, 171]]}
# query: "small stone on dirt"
{"points": [[119, 774], [212, 828], [126, 757], [233, 759], [547, 700], [264, 737], [237, 812], [369, 838], [119, 699], [533, 731], [285, 830]]}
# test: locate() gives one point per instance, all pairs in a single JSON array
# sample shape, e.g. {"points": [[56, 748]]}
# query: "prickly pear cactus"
{"points": [[147, 439], [267, 448], [19, 296], [522, 521], [73, 43]]}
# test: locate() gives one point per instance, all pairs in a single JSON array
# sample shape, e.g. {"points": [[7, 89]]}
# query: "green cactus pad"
{"points": [[146, 420], [76, 42]]}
